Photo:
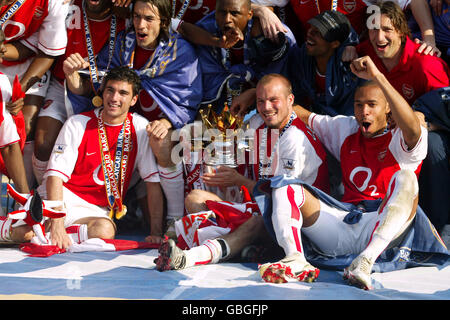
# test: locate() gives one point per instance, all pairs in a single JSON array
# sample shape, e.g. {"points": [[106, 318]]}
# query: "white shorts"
{"points": [[76, 208], [54, 105], [38, 89], [333, 237]]}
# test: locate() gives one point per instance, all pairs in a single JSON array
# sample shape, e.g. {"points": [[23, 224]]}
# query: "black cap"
{"points": [[333, 25]]}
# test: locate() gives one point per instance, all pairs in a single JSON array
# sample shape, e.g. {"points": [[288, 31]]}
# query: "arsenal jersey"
{"points": [[77, 159], [367, 164]]}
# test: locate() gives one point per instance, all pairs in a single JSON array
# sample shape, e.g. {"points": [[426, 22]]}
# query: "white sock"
{"points": [[172, 183], [5, 227], [210, 251], [78, 232], [28, 151], [287, 219], [400, 195], [39, 168]]}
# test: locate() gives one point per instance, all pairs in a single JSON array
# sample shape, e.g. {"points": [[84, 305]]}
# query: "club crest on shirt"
{"points": [[408, 90], [382, 155], [349, 5]]}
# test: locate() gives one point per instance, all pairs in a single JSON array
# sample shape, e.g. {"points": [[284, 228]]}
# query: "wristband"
{"points": [[175, 23]]}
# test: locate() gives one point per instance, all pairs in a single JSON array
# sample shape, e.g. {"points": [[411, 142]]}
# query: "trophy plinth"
{"points": [[223, 155]]}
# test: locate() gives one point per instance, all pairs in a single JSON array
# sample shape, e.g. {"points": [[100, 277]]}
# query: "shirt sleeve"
{"points": [[8, 129], [145, 159], [65, 151], [437, 74], [52, 33], [297, 157], [332, 131], [409, 159]]}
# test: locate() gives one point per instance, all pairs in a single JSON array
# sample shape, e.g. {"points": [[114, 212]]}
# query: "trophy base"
{"points": [[212, 166]]}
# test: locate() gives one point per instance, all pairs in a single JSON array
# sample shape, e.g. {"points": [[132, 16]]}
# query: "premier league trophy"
{"points": [[224, 141], [226, 135]]}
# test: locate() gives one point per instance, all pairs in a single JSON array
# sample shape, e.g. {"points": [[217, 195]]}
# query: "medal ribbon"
{"points": [[182, 9], [226, 61], [263, 172], [95, 79], [334, 4], [115, 173], [11, 11]]}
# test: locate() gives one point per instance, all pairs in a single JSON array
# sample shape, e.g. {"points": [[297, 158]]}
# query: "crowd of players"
{"points": [[350, 86]]}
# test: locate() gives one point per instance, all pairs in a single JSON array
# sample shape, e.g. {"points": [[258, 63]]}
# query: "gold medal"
{"points": [[111, 213], [121, 213], [97, 101]]}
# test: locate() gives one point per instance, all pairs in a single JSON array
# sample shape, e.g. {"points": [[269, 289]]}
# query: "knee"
{"points": [[406, 180], [43, 148], [255, 224], [195, 201], [101, 228]]}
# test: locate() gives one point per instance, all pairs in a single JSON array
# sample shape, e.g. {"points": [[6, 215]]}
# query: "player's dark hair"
{"points": [[165, 15], [398, 18], [124, 73], [248, 3], [367, 83]]}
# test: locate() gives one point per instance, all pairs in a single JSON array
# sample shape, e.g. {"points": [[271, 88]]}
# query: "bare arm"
{"points": [[12, 156], [402, 113], [302, 113], [242, 102], [17, 51], [155, 206], [75, 82], [40, 65], [200, 36], [270, 23], [422, 13], [58, 232]]}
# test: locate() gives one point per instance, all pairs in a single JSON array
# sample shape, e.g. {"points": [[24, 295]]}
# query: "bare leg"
{"points": [[47, 130], [99, 227], [171, 177]]}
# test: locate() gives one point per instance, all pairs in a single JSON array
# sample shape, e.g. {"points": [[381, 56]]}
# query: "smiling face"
{"points": [[274, 102], [117, 99], [316, 45], [371, 109], [232, 14], [147, 24], [386, 40]]}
